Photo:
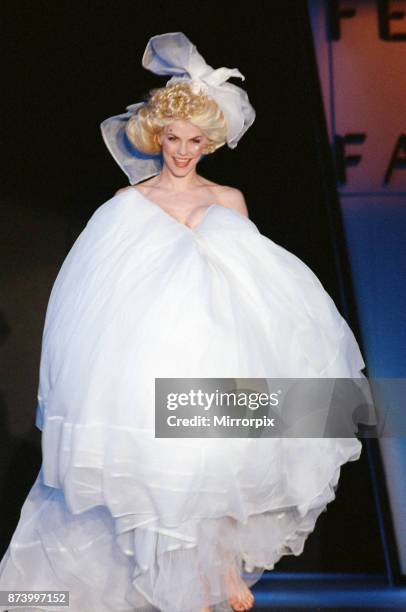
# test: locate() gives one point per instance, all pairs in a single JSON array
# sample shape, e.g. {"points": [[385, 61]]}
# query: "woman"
{"points": [[170, 279]]}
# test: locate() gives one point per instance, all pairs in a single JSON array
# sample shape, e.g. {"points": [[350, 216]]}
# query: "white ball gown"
{"points": [[124, 520]]}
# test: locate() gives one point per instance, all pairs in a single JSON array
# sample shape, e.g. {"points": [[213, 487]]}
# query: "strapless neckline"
{"points": [[172, 218]]}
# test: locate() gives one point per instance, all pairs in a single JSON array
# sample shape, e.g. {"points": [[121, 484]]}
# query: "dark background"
{"points": [[69, 65]]}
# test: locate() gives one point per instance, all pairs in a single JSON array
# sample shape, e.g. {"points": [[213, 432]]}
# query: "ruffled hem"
{"points": [[122, 563]]}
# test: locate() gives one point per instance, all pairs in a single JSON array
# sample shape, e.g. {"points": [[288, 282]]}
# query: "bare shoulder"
{"points": [[139, 186], [231, 197], [122, 190]]}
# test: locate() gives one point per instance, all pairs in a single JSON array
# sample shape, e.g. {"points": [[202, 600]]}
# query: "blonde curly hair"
{"points": [[171, 103]]}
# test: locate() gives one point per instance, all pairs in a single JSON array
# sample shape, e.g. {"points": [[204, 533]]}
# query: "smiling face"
{"points": [[182, 145]]}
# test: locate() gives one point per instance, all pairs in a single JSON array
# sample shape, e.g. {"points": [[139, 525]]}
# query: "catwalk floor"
{"points": [[284, 592]]}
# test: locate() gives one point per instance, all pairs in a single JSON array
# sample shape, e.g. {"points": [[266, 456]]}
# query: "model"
{"points": [[171, 279]]}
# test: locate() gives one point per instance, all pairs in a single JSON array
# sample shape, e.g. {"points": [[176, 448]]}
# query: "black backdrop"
{"points": [[67, 65]]}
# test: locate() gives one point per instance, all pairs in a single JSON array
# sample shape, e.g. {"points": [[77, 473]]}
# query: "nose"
{"points": [[182, 150]]}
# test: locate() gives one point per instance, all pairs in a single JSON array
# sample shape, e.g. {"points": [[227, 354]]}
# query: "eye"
{"points": [[197, 140], [172, 137]]}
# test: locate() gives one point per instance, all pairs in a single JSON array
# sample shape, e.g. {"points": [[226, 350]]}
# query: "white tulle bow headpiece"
{"points": [[174, 54]]}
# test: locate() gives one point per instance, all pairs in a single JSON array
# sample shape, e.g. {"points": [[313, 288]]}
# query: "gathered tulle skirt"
{"points": [[121, 519]]}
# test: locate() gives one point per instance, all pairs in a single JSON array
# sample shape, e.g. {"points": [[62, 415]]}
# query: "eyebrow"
{"points": [[191, 138]]}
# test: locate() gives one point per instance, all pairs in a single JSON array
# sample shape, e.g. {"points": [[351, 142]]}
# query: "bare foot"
{"points": [[242, 598], [206, 590]]}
